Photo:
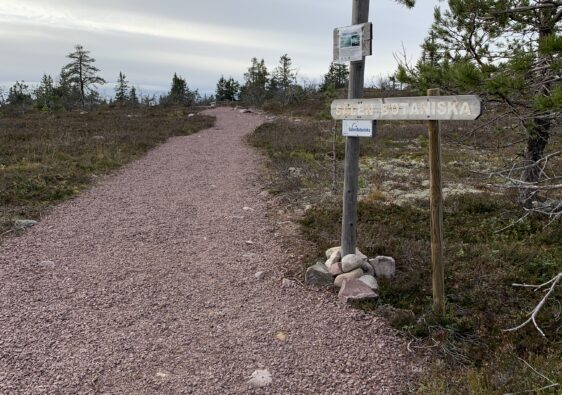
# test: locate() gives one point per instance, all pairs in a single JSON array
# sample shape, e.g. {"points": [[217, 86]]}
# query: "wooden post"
{"points": [[360, 14], [436, 202]]}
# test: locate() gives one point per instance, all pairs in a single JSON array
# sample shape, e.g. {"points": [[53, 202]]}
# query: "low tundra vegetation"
{"points": [[487, 249], [47, 158]]}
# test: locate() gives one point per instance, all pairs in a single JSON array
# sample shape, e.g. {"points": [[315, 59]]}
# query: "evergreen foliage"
{"points": [[67, 94], [256, 78], [82, 73], [227, 89], [337, 77], [283, 83], [133, 98], [508, 51], [19, 96], [121, 94], [180, 93], [45, 95]]}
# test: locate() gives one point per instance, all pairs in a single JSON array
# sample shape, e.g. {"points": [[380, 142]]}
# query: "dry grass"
{"points": [[47, 158]]}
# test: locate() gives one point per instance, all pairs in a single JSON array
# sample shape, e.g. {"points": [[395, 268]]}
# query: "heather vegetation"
{"points": [[46, 159]]}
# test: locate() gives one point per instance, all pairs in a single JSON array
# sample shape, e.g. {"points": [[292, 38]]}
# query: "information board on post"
{"points": [[461, 108], [352, 43], [358, 128]]}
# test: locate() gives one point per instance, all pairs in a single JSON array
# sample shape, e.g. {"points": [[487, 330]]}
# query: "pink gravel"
{"points": [[145, 285]]}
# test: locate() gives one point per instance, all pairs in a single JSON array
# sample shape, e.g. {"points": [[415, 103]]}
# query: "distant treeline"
{"points": [[77, 87]]}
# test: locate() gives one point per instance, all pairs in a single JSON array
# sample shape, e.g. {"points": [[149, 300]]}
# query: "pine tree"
{"points": [[337, 77], [45, 97], [180, 93], [283, 81], [284, 74], [227, 89], [19, 96], [133, 98], [121, 95], [509, 51], [67, 94], [256, 78], [82, 73]]}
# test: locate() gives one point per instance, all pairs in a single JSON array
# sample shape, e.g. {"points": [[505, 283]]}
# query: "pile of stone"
{"points": [[354, 274]]}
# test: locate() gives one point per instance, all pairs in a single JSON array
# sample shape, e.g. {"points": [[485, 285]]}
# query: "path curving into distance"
{"points": [[145, 285]]}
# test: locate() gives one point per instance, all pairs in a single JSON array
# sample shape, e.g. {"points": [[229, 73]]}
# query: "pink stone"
{"points": [[355, 290], [335, 269]]}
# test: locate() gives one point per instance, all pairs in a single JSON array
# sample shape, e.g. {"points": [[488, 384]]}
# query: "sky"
{"points": [[151, 40]]}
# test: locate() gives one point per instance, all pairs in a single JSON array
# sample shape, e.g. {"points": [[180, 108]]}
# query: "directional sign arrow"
{"points": [[460, 108]]}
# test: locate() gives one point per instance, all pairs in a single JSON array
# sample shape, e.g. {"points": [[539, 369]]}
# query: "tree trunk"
{"points": [[539, 131], [534, 152]]}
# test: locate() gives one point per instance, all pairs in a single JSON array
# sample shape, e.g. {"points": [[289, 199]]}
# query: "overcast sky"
{"points": [[200, 40]]}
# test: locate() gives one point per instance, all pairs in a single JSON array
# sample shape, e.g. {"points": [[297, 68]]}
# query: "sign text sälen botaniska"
{"points": [[462, 107]]}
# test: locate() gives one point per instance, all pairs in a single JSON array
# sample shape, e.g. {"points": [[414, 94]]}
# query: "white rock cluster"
{"points": [[355, 274]]}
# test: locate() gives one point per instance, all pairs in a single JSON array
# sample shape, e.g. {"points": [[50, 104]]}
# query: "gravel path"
{"points": [[145, 285]]}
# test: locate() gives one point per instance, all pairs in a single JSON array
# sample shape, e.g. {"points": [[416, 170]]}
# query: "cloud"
{"points": [[95, 21], [150, 40]]}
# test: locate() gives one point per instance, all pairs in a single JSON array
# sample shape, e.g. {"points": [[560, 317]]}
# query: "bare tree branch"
{"points": [[533, 315]]}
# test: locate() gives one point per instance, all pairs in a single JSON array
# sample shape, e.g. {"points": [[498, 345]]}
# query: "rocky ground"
{"points": [[166, 278]]}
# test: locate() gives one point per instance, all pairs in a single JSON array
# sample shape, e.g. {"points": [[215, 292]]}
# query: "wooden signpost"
{"points": [[433, 108], [359, 15], [353, 43]]}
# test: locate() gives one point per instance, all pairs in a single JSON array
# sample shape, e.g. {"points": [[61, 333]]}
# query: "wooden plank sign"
{"points": [[352, 43], [444, 108]]}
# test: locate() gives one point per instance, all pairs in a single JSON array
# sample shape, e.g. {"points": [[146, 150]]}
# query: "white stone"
{"points": [[334, 258], [259, 275], [385, 266], [286, 283], [330, 251], [295, 172], [350, 262], [360, 255], [24, 223], [370, 281], [162, 374], [47, 264], [260, 378]]}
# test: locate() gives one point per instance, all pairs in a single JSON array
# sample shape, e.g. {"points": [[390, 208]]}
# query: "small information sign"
{"points": [[357, 128], [352, 43]]}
